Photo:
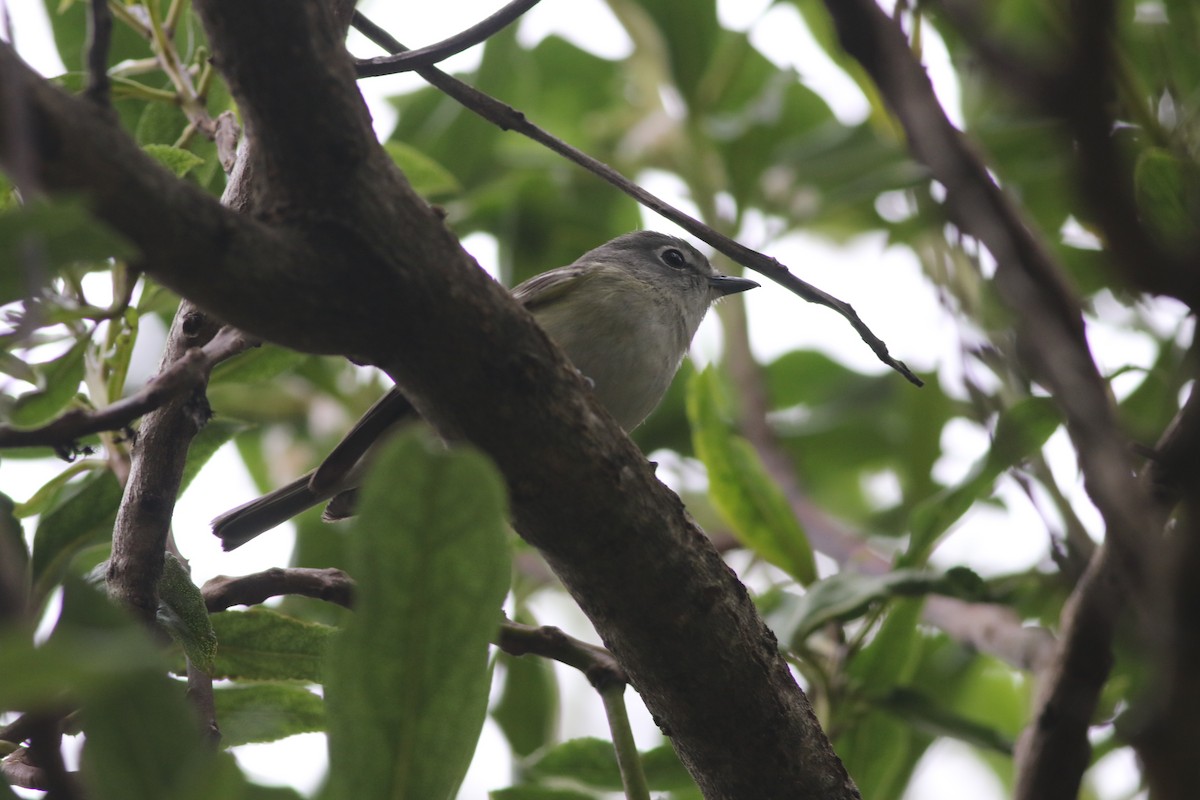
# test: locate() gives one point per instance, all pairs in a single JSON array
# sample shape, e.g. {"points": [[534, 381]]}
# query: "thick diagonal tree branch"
{"points": [[352, 261]]}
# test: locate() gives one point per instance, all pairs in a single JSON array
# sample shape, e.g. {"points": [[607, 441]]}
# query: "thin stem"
{"points": [[629, 761], [124, 87], [427, 56], [119, 11], [171, 21], [509, 118]]}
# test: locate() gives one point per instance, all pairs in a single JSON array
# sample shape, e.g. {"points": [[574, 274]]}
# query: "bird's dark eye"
{"points": [[673, 258]]}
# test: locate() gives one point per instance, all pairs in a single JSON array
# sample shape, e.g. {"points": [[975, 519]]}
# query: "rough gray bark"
{"points": [[354, 262]]}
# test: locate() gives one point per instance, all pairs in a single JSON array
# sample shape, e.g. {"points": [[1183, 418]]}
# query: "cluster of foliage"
{"points": [[750, 142]]}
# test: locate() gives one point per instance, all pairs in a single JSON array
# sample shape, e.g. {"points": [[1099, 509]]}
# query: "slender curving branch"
{"points": [[329, 584], [189, 372], [508, 118], [629, 761], [335, 586], [1077, 88], [421, 57]]}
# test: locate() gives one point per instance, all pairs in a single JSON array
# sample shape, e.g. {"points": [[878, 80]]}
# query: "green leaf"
{"points": [[690, 31], [260, 644], [428, 177], [92, 645], [592, 762], [58, 383], [1020, 431], [83, 515], [527, 711], [159, 126], [740, 488], [409, 675], [14, 553], [48, 491], [185, 617], [210, 439], [260, 364], [37, 240], [1168, 195], [880, 753], [588, 760], [664, 771], [69, 23], [923, 713], [143, 742], [538, 793], [892, 656], [266, 712], [977, 687], [176, 159], [847, 595]]}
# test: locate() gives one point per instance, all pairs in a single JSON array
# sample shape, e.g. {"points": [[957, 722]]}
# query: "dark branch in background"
{"points": [[178, 378], [428, 56], [45, 751], [19, 769], [1051, 342], [1053, 753], [99, 36], [1078, 89], [508, 118]]}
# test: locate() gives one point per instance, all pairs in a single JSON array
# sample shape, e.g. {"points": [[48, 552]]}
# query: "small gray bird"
{"points": [[623, 313]]}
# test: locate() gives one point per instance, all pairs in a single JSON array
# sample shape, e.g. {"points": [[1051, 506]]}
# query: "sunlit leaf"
{"points": [[176, 159], [751, 503], [427, 177], [82, 516], [260, 644], [266, 712]]}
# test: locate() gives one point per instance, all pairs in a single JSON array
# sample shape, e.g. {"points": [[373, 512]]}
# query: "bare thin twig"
{"points": [[175, 380], [200, 693], [332, 585], [508, 118], [335, 586], [428, 56], [99, 36], [629, 761], [593, 661]]}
